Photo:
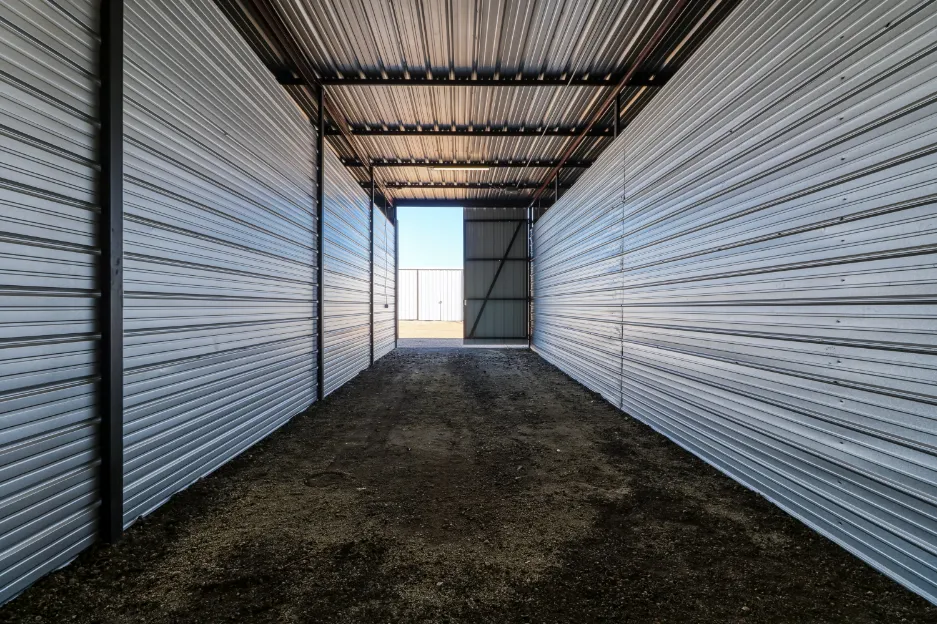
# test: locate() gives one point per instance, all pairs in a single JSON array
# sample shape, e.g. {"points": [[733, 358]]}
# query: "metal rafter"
{"points": [[643, 79], [502, 202], [493, 164], [406, 184], [373, 130]]}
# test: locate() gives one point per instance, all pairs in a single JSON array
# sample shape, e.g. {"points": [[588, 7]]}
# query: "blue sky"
{"points": [[430, 238]]}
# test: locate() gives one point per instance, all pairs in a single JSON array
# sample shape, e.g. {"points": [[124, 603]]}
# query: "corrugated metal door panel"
{"points": [[347, 281], [452, 297], [440, 294], [385, 313], [777, 269], [219, 250], [48, 264], [407, 278], [495, 253]]}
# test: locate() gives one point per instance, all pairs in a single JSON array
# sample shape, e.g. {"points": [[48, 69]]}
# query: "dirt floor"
{"points": [[467, 485], [430, 329]]}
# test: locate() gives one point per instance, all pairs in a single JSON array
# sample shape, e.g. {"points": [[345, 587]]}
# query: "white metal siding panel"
{"points": [[440, 294], [347, 282], [219, 250], [776, 272], [385, 313], [49, 257], [431, 295]]}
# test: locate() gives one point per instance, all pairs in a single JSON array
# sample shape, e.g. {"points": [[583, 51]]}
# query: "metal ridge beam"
{"points": [[480, 131], [403, 202], [403, 184], [494, 164], [644, 79]]}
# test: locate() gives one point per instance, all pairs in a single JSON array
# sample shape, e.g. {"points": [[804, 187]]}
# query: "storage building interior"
{"points": [[718, 215]]}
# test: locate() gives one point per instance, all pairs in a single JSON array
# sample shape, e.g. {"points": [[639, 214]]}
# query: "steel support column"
{"points": [[396, 278], [530, 277], [111, 312], [320, 243], [371, 264]]}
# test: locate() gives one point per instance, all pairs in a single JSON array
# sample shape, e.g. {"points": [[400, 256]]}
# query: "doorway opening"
{"points": [[430, 277]]}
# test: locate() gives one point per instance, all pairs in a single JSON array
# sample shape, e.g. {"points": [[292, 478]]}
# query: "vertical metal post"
{"points": [[530, 280], [112, 279], [616, 112], [556, 188], [320, 243], [371, 255], [396, 277]]}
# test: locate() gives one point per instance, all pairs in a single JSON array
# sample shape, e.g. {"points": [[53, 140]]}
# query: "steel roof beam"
{"points": [[645, 79], [507, 202], [494, 132], [493, 164], [507, 186]]}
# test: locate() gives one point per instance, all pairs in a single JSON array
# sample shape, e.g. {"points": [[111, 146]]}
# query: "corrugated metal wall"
{"points": [[385, 270], [489, 233], [347, 280], [219, 249], [431, 295], [48, 262], [752, 269]]}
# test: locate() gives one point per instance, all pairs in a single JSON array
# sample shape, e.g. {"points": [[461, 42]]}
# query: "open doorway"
{"points": [[430, 276]]}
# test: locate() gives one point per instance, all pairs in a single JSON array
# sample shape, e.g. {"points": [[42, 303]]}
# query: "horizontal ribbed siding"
{"points": [[48, 287], [347, 281], [219, 243], [751, 270]]}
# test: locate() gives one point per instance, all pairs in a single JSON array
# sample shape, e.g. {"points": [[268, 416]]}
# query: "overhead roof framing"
{"points": [[520, 87]]}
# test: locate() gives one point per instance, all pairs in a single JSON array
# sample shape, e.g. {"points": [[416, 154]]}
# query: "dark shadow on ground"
{"points": [[467, 485]]}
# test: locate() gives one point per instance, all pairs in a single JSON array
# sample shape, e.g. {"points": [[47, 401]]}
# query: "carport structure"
{"points": [[716, 214]]}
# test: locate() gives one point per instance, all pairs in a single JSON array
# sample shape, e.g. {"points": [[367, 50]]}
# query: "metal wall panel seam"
{"points": [[763, 294]]}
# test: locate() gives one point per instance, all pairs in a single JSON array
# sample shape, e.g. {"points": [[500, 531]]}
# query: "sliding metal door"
{"points": [[495, 275]]}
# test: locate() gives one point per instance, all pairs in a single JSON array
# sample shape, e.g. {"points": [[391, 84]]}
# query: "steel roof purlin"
{"points": [[519, 87]]}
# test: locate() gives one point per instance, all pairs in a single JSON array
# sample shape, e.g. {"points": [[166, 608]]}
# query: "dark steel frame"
{"points": [[644, 79], [506, 186], [111, 311], [462, 203], [376, 130], [492, 164], [371, 264], [320, 244]]}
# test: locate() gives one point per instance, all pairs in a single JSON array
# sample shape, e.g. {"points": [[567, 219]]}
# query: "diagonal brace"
{"points": [[494, 281]]}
